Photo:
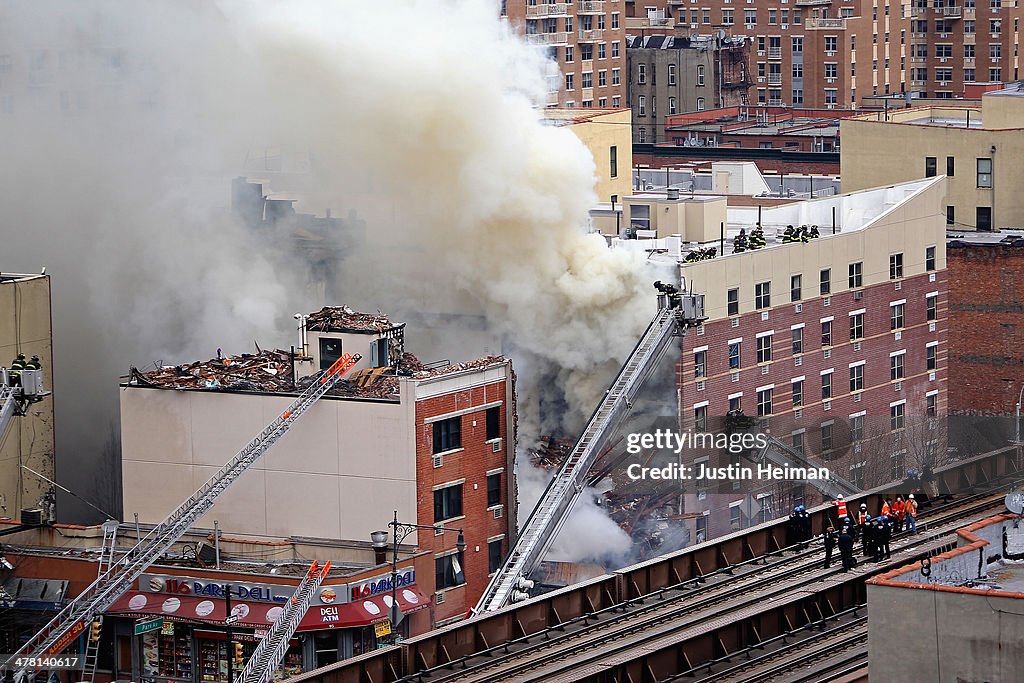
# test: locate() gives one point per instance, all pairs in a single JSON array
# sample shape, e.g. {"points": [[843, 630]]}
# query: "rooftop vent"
{"points": [[673, 193]]}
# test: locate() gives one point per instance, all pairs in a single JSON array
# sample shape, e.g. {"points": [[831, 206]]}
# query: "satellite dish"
{"points": [[721, 34], [1015, 502]]}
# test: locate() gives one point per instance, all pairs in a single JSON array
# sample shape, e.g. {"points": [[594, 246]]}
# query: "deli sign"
{"points": [[381, 584], [239, 591]]}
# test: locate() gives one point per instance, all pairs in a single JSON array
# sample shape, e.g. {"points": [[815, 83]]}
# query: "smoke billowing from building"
{"points": [[126, 121]]}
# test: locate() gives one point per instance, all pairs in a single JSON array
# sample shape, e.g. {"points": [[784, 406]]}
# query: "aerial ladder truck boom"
{"points": [[117, 580], [677, 310]]}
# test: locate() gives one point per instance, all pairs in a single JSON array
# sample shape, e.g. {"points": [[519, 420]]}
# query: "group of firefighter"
{"points": [[801, 234], [19, 364], [874, 533], [701, 254], [742, 242]]}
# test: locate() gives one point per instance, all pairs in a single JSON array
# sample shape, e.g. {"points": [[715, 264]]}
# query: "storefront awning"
{"points": [[363, 612], [261, 614]]}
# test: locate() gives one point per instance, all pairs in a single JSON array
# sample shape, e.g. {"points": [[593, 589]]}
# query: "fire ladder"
{"points": [[272, 649], [780, 454], [117, 580], [92, 649], [552, 510]]}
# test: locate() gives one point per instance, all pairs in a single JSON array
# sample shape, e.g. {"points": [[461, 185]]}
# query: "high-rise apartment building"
{"points": [[833, 53], [587, 39]]}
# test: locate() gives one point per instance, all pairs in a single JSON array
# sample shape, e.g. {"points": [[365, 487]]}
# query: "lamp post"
{"points": [[400, 531]]}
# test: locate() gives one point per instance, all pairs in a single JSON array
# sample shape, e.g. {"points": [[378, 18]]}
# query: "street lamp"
{"points": [[401, 531]]}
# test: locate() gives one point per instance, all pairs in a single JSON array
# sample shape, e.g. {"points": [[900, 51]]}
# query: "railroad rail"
{"points": [[712, 564]]}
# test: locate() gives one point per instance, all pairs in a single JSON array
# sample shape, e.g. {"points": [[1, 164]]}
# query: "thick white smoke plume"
{"points": [[125, 122]]}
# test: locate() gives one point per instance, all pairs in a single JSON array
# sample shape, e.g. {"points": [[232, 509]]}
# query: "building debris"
{"points": [[265, 371], [345, 319]]}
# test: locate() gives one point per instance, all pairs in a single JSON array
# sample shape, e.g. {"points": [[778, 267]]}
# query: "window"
{"points": [[764, 402], [750, 16], [983, 218], [615, 20], [616, 77], [995, 26], [794, 287], [826, 332], [588, 79], [896, 416], [929, 167], [969, 25], [831, 70], [798, 70], [700, 418], [896, 365], [895, 266], [831, 44], [700, 74], [330, 352], [932, 361], [762, 295], [727, 17], [857, 427], [736, 403], [706, 16], [569, 54], [932, 407], [798, 340], [700, 104], [494, 423], [494, 489], [613, 161], [493, 556], [700, 363], [826, 385], [857, 377], [831, 96], [857, 474], [944, 50], [798, 45], [671, 105], [798, 392], [735, 517], [615, 49], [448, 434], [773, 16], [856, 275], [570, 81], [641, 105], [702, 528], [895, 316], [950, 163], [734, 354], [764, 349], [825, 286], [733, 297], [950, 215], [797, 16], [602, 51], [984, 173], [641, 73], [448, 571], [826, 436], [602, 80], [448, 503], [929, 258], [896, 460], [798, 441], [856, 326]]}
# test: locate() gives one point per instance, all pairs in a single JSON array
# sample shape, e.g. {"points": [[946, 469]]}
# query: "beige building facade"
{"points": [[606, 133], [26, 327], [977, 149]]}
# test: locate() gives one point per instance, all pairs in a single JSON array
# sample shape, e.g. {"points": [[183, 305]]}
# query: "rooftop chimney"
{"points": [[673, 193]]}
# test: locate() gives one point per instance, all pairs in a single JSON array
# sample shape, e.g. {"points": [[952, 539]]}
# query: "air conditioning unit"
{"points": [[931, 327], [785, 26], [437, 461], [827, 353], [830, 80], [735, 322], [700, 386], [857, 397], [798, 413], [897, 336], [858, 295], [856, 346], [827, 301], [931, 376], [799, 308], [931, 277], [700, 330], [735, 377], [943, 59], [898, 386], [498, 512], [693, 26], [899, 286], [439, 598], [857, 448], [764, 369], [798, 361], [764, 315], [830, 54], [760, 79], [496, 446], [827, 405]]}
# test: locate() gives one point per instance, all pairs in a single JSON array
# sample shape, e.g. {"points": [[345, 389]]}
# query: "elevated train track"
{"points": [[680, 612]]}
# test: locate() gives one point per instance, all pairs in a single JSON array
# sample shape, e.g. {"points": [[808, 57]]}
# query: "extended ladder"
{"points": [[8, 402], [117, 580], [780, 454], [552, 510], [92, 648], [272, 649]]}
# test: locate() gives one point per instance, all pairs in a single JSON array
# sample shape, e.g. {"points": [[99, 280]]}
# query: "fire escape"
{"points": [[734, 69]]}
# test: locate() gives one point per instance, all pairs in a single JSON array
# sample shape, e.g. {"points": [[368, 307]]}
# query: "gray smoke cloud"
{"points": [[126, 121]]}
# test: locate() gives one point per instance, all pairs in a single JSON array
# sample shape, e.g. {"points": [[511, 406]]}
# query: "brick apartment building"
{"points": [[986, 325], [586, 38], [840, 344], [436, 443], [834, 53]]}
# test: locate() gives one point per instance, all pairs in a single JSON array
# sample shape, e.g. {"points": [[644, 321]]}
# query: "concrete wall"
{"points": [[25, 327], [328, 477], [869, 158], [600, 130], [923, 635]]}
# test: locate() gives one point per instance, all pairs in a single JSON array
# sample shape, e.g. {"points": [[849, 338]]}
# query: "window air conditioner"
{"points": [[438, 460], [496, 446]]}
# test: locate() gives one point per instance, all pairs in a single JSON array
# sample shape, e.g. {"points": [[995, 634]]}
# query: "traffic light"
{"points": [[239, 656], [94, 631]]}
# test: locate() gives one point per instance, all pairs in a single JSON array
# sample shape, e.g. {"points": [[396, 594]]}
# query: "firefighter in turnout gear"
{"points": [[757, 240], [739, 242], [790, 235], [17, 365]]}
